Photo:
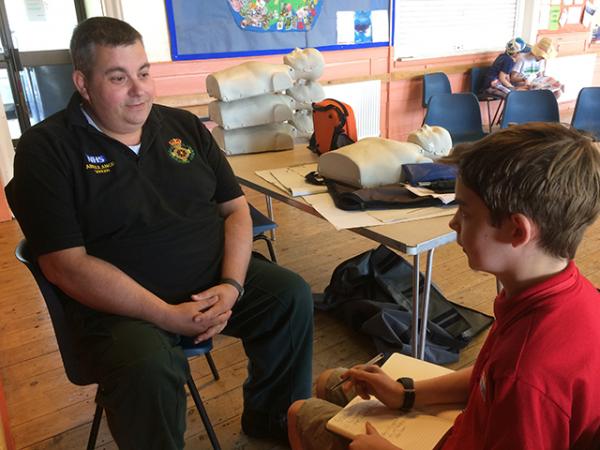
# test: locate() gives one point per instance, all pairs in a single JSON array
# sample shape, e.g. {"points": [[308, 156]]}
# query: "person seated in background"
{"points": [[526, 195], [530, 68], [497, 80], [134, 213]]}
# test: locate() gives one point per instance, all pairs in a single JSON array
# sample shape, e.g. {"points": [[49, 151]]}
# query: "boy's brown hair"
{"points": [[545, 171]]}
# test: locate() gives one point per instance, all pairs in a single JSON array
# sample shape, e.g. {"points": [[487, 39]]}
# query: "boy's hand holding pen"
{"points": [[371, 362], [369, 379]]}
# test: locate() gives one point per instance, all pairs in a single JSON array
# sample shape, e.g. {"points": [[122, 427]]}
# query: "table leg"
{"points": [[415, 306], [425, 304]]}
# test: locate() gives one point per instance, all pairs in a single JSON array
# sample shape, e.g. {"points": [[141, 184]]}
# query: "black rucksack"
{"points": [[372, 292]]}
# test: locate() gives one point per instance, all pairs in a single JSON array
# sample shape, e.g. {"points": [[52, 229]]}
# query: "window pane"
{"points": [[9, 105], [41, 24]]}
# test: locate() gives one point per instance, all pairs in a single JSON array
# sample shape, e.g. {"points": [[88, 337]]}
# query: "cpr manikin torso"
{"points": [[373, 162], [249, 79], [253, 109], [263, 138], [249, 112]]}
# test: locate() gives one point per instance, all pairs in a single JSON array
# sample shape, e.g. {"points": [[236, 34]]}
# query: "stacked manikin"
{"points": [[263, 107]]}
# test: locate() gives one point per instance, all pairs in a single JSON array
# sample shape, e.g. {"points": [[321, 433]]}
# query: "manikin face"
{"points": [[434, 140], [119, 91], [484, 244]]}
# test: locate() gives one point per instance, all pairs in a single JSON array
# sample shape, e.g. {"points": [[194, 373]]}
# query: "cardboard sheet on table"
{"points": [[342, 220], [291, 179], [408, 214]]}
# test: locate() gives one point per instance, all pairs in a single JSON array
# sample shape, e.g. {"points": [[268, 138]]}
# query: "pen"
{"points": [[372, 361]]}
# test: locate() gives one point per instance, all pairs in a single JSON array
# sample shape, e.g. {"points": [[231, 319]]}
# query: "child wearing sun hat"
{"points": [[531, 67], [497, 80]]}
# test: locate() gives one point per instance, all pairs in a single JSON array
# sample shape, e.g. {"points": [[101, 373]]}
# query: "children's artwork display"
{"points": [[202, 29], [266, 15]]}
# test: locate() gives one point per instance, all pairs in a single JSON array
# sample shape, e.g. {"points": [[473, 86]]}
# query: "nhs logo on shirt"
{"points": [[96, 159], [98, 164]]}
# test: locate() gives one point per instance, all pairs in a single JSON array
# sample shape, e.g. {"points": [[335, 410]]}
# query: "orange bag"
{"points": [[334, 124]]}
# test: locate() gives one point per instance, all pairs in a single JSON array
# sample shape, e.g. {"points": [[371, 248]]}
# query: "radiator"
{"points": [[365, 99]]}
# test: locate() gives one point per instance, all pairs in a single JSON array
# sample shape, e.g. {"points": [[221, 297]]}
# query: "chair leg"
{"points": [[270, 247], [490, 123], [211, 364], [203, 414], [95, 427], [271, 250], [500, 105]]}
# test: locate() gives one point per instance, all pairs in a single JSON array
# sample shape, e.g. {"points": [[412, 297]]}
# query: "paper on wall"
{"points": [[345, 27], [380, 24]]}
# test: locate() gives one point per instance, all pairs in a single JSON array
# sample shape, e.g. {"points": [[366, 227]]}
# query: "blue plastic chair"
{"points": [[530, 106], [587, 111], [457, 113], [260, 225], [434, 83], [82, 375], [477, 78]]}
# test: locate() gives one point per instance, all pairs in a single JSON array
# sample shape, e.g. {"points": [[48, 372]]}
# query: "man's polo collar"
{"points": [[75, 115]]}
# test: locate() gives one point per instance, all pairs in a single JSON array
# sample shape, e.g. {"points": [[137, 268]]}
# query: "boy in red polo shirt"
{"points": [[526, 195]]}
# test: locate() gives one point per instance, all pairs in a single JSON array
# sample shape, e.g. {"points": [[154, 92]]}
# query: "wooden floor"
{"points": [[48, 412]]}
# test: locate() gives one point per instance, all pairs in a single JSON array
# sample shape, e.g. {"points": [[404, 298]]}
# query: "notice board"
{"points": [[201, 29]]}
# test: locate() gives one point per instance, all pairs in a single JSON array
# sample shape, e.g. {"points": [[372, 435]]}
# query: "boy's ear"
{"points": [[522, 229]]}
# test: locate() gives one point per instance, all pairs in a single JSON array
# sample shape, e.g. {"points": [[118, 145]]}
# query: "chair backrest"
{"points": [[76, 372], [530, 106], [587, 111], [457, 113], [435, 83], [260, 222], [477, 76]]}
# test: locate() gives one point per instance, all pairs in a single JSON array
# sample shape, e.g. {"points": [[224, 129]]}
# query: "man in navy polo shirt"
{"points": [[135, 214]]}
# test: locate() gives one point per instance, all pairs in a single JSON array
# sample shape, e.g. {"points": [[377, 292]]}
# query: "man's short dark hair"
{"points": [[105, 31], [546, 171]]}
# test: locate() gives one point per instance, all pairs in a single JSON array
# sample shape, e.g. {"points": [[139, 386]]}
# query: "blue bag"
{"points": [[415, 174]]}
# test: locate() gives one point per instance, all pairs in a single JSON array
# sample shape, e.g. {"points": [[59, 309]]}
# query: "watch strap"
{"points": [[235, 284], [409, 393]]}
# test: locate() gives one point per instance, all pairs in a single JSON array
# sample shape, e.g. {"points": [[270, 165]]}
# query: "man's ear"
{"points": [[522, 229], [80, 83]]}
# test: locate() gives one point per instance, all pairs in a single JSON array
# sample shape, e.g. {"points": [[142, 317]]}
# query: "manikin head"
{"points": [[307, 63], [435, 141], [536, 184], [112, 74]]}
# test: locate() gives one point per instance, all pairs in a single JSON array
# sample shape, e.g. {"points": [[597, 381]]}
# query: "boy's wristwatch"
{"points": [[236, 285], [409, 393]]}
